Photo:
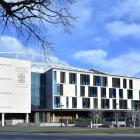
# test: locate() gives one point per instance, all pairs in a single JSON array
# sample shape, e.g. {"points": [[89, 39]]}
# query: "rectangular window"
{"points": [[82, 90], [84, 79], [103, 92], [86, 102], [124, 83], [116, 82], [95, 103], [92, 91], [129, 94], [104, 82], [112, 93], [96, 80], [105, 103], [67, 102], [123, 104], [55, 76], [130, 84], [58, 89], [120, 93], [62, 77], [114, 103], [56, 102], [72, 78], [74, 102]]}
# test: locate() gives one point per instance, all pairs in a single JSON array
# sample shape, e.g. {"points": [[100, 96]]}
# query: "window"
{"points": [[105, 103], [74, 102], [114, 103], [130, 84], [96, 80], [129, 94], [55, 76], [103, 92], [124, 83], [112, 93], [92, 91], [95, 103], [84, 79], [86, 103], [56, 101], [123, 104], [72, 78], [121, 93], [67, 102], [58, 89], [116, 82], [82, 90], [62, 77], [104, 81]]}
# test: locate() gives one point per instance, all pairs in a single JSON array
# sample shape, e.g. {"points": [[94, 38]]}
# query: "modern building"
{"points": [[15, 85], [48, 92]]}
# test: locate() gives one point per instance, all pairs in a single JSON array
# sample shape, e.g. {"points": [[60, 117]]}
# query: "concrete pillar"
{"points": [[27, 118], [48, 117], [53, 117], [36, 117], [3, 119], [77, 117]]}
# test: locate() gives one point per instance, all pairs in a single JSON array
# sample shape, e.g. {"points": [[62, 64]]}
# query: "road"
{"points": [[45, 136]]}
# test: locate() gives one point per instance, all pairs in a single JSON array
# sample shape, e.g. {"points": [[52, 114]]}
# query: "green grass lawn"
{"points": [[72, 130]]}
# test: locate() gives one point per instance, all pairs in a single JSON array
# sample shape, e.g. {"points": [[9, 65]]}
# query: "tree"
{"points": [[31, 18]]}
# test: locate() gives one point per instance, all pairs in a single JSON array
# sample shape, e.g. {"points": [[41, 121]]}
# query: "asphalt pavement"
{"points": [[45, 136]]}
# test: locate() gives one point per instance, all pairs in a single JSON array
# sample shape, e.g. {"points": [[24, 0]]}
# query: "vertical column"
{"points": [[36, 117], [27, 118], [53, 117], [48, 117], [3, 119], [77, 117]]}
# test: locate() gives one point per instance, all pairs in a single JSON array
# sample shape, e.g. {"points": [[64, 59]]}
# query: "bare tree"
{"points": [[30, 18]]}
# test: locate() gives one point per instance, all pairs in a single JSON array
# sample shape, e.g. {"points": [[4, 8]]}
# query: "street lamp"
{"points": [[61, 113]]}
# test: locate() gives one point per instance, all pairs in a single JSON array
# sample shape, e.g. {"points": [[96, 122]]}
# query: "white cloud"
{"points": [[129, 9], [122, 29], [8, 43], [127, 64]]}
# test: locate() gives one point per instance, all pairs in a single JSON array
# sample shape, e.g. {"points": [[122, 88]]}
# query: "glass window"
{"points": [[92, 91], [129, 94], [114, 103], [123, 104], [84, 79], [67, 102], [62, 77], [105, 103], [74, 102], [55, 76], [103, 92], [82, 90], [96, 80], [104, 81], [95, 103], [124, 83], [130, 84], [56, 102], [112, 93], [86, 103], [121, 93], [72, 78], [116, 82]]}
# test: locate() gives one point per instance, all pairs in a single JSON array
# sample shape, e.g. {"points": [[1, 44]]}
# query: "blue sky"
{"points": [[106, 36]]}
